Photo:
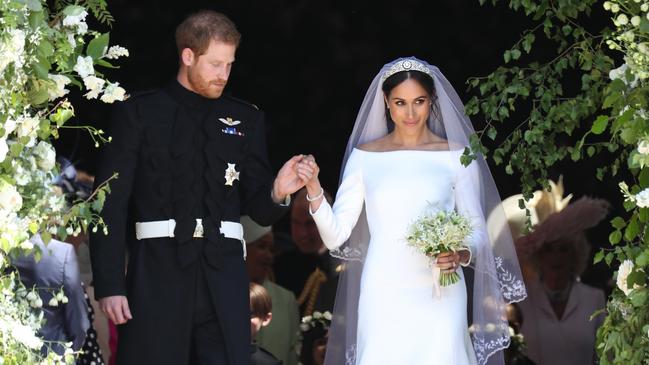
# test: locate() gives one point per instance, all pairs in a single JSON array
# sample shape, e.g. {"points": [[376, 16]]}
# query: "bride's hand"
{"points": [[448, 262], [307, 169]]}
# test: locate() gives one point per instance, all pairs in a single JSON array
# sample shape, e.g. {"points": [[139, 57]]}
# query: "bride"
{"points": [[403, 158]]}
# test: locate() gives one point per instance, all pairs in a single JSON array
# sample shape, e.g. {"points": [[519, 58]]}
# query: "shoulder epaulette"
{"points": [[242, 101]]}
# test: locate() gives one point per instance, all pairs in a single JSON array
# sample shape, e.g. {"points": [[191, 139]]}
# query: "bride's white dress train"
{"points": [[399, 319]]}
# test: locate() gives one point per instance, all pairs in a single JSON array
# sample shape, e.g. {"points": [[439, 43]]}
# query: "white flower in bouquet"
{"points": [[440, 231], [626, 267], [10, 198], [58, 89], [46, 156], [115, 52], [84, 66], [112, 93]]}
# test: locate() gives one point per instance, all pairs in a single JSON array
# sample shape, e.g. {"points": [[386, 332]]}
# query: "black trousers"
{"points": [[207, 343]]}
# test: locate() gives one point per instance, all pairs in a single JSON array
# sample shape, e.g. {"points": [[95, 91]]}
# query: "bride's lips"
{"points": [[410, 123]]}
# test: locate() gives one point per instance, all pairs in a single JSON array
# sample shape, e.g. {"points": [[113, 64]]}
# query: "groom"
{"points": [[191, 161]]}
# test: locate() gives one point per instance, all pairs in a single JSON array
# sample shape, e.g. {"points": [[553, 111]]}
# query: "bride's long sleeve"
{"points": [[335, 224], [468, 196]]}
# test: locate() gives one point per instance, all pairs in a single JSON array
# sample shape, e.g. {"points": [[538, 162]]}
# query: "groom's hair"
{"points": [[198, 29]]}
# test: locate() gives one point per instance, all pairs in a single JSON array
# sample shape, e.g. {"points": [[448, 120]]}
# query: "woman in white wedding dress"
{"points": [[404, 158]]}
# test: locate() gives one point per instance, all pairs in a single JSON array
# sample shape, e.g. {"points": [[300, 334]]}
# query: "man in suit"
{"points": [[191, 161]]}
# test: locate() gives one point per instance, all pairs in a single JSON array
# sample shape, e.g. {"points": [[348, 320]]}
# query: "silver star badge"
{"points": [[231, 174], [229, 121]]}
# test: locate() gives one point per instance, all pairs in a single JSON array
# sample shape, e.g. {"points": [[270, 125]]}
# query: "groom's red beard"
{"points": [[209, 89]]}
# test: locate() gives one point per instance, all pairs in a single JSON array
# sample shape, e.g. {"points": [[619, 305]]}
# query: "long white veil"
{"points": [[497, 279]]}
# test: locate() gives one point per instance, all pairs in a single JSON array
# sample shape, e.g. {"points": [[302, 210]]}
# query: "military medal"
{"points": [[230, 129], [231, 174]]}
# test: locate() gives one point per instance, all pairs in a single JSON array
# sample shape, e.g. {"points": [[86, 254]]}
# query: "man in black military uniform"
{"points": [[191, 161]]}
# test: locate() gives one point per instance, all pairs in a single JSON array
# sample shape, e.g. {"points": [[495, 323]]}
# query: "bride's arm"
{"points": [[335, 224], [467, 202]]}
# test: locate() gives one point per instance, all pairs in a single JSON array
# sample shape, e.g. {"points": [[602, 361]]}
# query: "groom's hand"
{"points": [[287, 181], [116, 308]]}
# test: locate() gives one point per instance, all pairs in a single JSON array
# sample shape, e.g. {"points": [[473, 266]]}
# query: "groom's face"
{"points": [[208, 73]]}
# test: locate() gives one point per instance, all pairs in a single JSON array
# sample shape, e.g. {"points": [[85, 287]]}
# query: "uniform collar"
{"points": [[188, 97]]}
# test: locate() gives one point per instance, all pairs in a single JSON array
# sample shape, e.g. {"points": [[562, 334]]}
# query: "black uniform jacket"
{"points": [[171, 149]]}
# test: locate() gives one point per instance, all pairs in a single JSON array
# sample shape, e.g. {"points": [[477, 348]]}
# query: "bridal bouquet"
{"points": [[437, 232]]}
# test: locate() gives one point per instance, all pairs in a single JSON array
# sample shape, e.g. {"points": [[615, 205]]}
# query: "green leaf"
{"points": [[491, 133], [98, 46], [507, 56], [615, 237], [611, 99], [33, 227], [516, 54], [642, 259], [618, 223], [46, 236], [599, 256], [73, 10], [591, 151], [33, 5], [599, 126], [632, 229], [643, 216], [638, 297], [644, 25]]}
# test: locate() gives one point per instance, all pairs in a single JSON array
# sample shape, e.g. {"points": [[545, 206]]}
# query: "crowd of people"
{"points": [[191, 228]]}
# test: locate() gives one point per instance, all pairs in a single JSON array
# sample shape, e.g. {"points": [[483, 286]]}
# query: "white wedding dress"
{"points": [[399, 319]]}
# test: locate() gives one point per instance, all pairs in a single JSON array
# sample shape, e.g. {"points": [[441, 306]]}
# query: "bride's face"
{"points": [[409, 106]]}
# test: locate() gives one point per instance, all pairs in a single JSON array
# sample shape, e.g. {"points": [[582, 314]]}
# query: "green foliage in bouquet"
{"points": [[437, 232]]}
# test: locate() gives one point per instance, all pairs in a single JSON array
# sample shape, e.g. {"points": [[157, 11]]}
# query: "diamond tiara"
{"points": [[406, 65]]}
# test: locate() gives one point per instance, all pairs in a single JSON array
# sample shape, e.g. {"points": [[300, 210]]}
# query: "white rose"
{"points": [[4, 149], [113, 92], [304, 327], [84, 66], [46, 156], [615, 8], [53, 302], [635, 21], [317, 315], [644, 7], [622, 273], [327, 315], [642, 198], [306, 319], [115, 52], [58, 90], [94, 85], [10, 198], [607, 5], [619, 72], [643, 147]]}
